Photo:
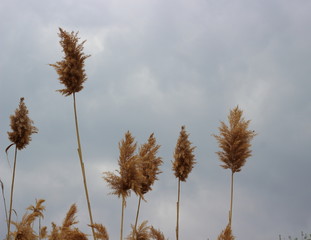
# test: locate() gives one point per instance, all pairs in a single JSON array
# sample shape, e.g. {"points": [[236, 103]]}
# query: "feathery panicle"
{"points": [[24, 230], [142, 232], [226, 234], [130, 177], [149, 163], [66, 231], [71, 68], [55, 233], [70, 218], [234, 140], [22, 126], [38, 208], [156, 234], [100, 231], [184, 157], [43, 233]]}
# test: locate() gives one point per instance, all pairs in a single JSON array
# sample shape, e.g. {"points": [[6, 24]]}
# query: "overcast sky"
{"points": [[157, 65]]}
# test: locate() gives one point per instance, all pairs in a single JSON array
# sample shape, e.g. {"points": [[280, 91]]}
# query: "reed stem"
{"points": [[12, 190], [122, 217], [82, 165], [231, 201], [178, 203], [138, 208]]}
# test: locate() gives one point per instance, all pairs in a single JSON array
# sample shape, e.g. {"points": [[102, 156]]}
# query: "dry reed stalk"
{"points": [[129, 177], [226, 234], [149, 168], [72, 74], [234, 140], [22, 129], [183, 164]]}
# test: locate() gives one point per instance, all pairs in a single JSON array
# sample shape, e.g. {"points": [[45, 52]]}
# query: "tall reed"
{"points": [[22, 129], [149, 168], [226, 234], [129, 178], [234, 140], [182, 165], [72, 74]]}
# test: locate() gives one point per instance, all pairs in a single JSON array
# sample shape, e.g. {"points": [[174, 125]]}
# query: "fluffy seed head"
{"points": [[184, 157], [149, 163], [22, 126], [234, 140], [71, 68], [129, 177], [226, 234]]}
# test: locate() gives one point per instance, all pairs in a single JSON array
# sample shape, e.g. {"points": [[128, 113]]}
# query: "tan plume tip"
{"points": [[71, 69], [234, 140], [142, 232], [22, 126], [129, 177], [149, 163], [226, 234], [183, 155], [100, 231]]}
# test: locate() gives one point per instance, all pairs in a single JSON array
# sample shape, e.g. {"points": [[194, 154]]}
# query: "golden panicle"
{"points": [[55, 233], [38, 208], [23, 229], [234, 140], [149, 163], [156, 234], [43, 232], [71, 68], [130, 177], [22, 126], [100, 231], [70, 218], [142, 232], [226, 234], [184, 157]]}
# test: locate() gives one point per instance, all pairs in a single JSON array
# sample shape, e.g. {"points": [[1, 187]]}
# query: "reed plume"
{"points": [[67, 231], [129, 177], [72, 74], [141, 233], [100, 231], [149, 168], [226, 234], [22, 129], [156, 234], [183, 164], [234, 140], [38, 208]]}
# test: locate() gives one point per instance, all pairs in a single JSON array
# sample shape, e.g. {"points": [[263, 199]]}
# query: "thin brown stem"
{"points": [[12, 190], [231, 201], [122, 217], [178, 203], [138, 207], [82, 164]]}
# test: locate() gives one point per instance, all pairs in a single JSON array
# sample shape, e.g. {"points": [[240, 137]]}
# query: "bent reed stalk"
{"points": [[82, 164]]}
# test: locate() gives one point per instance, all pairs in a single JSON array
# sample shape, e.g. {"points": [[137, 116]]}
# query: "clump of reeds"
{"points": [[22, 129], [182, 165], [149, 168], [129, 178], [234, 140], [72, 74], [226, 234]]}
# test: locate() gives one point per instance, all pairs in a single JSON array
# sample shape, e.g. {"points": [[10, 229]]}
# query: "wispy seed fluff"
{"points": [[184, 157], [71, 68], [22, 126]]}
